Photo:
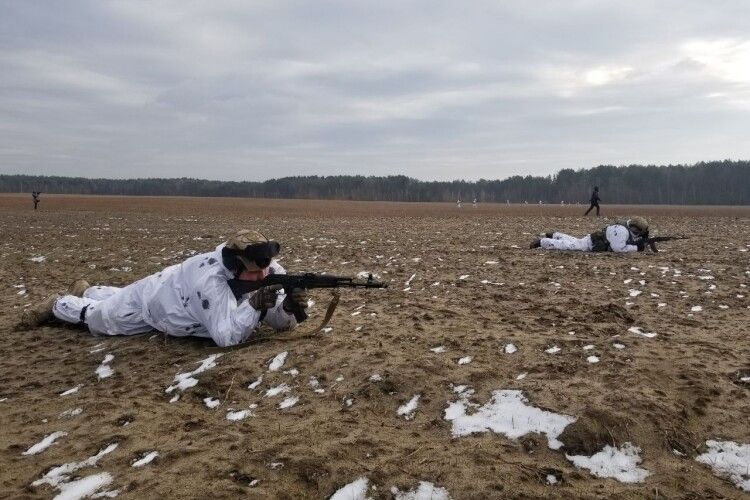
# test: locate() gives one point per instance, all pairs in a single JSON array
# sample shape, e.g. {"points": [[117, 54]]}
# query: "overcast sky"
{"points": [[250, 90]]}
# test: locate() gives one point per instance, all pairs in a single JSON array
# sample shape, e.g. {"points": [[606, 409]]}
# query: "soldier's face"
{"points": [[254, 275]]}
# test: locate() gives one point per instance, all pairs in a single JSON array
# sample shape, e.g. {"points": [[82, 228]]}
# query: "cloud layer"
{"points": [[237, 90]]}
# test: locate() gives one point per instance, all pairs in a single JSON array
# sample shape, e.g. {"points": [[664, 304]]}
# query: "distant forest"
{"points": [[706, 183]]}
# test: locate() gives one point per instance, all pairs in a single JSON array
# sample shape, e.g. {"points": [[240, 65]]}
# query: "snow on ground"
{"points": [[506, 413], [85, 487], [553, 350], [465, 360], [279, 389], [39, 258], [510, 348], [186, 380], [592, 359], [61, 473], [71, 391], [45, 443], [288, 402], [729, 459], [104, 370], [256, 383], [407, 410], [637, 330], [439, 349], [356, 490], [71, 412], [425, 491], [521, 376], [239, 415], [146, 459], [211, 402], [278, 361], [621, 464]]}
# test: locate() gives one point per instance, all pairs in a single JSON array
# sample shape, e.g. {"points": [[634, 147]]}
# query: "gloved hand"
{"points": [[264, 298], [297, 299], [641, 244]]}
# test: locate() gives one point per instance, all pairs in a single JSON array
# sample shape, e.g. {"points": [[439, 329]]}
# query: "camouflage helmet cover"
{"points": [[638, 223], [249, 249]]}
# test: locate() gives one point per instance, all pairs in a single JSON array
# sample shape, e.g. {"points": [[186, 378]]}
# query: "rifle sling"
{"points": [[255, 340]]}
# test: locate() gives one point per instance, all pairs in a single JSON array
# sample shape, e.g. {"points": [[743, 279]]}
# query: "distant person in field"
{"points": [[474, 203], [35, 197], [594, 201], [191, 298], [458, 203], [622, 237]]}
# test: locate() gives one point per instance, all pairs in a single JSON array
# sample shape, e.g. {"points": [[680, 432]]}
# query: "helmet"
{"points": [[249, 250], [639, 224]]}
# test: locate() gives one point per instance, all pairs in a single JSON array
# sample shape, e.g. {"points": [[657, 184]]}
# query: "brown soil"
{"points": [[667, 393]]}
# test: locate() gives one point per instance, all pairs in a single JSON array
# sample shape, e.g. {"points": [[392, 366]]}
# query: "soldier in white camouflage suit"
{"points": [[191, 298], [627, 236]]}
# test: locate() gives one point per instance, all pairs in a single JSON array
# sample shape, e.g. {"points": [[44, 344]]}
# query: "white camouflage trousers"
{"points": [[562, 241], [69, 308]]}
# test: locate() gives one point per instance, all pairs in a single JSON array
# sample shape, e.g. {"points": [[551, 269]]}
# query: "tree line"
{"points": [[706, 183]]}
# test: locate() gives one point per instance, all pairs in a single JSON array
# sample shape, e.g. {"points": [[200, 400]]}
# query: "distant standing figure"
{"points": [[458, 203], [474, 203], [35, 197], [594, 201]]}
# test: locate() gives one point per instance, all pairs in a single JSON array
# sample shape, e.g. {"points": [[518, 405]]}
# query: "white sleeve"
{"points": [[228, 322], [618, 239], [276, 317]]}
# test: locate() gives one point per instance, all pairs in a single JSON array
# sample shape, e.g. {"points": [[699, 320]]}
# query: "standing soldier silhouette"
{"points": [[35, 197], [594, 201]]}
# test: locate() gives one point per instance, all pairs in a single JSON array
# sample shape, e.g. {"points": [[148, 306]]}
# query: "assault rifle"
{"points": [[651, 242], [306, 280]]}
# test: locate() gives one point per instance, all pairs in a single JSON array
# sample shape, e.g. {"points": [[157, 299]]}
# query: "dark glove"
{"points": [[295, 300], [641, 244], [264, 298]]}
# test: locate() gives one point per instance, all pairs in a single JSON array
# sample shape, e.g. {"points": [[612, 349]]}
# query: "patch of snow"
{"points": [[184, 381], [618, 346], [637, 330], [634, 293], [729, 459], [696, 308], [506, 413], [551, 479], [439, 349], [407, 410], [45, 443], [61, 473], [592, 359], [84, 487], [465, 360], [211, 402], [356, 490], [328, 329], [70, 391], [255, 384], [104, 370], [464, 276], [621, 464], [375, 377], [553, 350], [71, 412], [510, 348], [239, 415], [588, 347], [278, 361], [425, 491], [288, 402], [147, 459], [279, 389], [521, 376], [40, 258]]}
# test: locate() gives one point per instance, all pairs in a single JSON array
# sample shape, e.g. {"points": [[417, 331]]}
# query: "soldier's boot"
{"points": [[546, 235], [78, 287], [536, 243], [40, 313]]}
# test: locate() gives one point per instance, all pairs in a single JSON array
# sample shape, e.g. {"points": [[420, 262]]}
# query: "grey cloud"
{"points": [[237, 90]]}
